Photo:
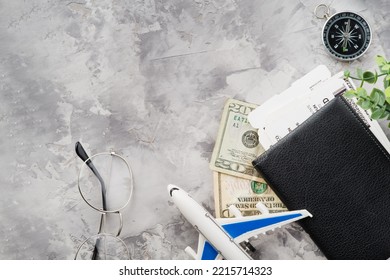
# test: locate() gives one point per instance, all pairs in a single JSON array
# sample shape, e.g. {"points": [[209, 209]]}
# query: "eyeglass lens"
{"points": [[103, 247], [106, 186]]}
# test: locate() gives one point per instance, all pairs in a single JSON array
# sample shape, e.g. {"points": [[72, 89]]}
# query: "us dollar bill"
{"points": [[244, 194], [237, 143]]}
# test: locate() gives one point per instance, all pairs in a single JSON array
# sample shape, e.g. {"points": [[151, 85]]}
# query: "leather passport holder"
{"points": [[333, 166]]}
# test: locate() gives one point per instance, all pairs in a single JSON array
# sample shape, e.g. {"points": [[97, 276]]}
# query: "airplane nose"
{"points": [[172, 188]]}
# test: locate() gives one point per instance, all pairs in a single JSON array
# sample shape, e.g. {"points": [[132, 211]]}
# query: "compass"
{"points": [[346, 35]]}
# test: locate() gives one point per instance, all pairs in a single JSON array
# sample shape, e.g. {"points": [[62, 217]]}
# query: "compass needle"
{"points": [[346, 35]]}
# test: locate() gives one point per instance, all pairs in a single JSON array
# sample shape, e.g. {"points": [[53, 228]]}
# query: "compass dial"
{"points": [[346, 36]]}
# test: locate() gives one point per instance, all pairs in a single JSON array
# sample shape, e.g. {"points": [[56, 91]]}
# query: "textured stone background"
{"points": [[149, 80]]}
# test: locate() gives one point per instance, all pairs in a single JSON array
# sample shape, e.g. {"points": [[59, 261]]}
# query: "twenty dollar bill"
{"points": [[244, 194], [237, 143]]}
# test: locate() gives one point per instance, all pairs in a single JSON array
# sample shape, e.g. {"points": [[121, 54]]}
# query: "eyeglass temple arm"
{"points": [[84, 156]]}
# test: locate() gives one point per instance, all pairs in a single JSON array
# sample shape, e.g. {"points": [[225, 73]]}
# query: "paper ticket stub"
{"points": [[279, 123], [304, 99], [299, 88]]}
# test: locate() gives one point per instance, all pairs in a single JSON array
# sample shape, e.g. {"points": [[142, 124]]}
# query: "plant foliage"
{"points": [[378, 101]]}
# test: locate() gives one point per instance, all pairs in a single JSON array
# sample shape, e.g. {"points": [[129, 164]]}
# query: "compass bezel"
{"points": [[345, 15]]}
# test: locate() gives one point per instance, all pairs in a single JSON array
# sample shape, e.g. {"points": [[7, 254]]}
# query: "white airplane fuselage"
{"points": [[207, 225]]}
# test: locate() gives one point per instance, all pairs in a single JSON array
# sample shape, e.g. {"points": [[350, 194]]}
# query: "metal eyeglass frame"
{"points": [[88, 162]]}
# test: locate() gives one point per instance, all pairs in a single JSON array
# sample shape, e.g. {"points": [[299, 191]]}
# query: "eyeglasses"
{"points": [[105, 183]]}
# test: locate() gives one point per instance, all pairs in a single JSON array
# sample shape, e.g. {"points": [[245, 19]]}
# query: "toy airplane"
{"points": [[220, 238]]}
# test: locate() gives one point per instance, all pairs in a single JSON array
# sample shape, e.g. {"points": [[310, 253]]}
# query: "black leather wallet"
{"points": [[333, 166]]}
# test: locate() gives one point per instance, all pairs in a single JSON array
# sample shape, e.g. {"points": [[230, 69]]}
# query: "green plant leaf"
{"points": [[386, 81], [384, 115], [378, 97], [366, 104], [380, 60], [377, 113], [372, 95], [346, 73], [387, 94], [386, 67], [361, 92], [370, 77], [382, 98], [350, 94]]}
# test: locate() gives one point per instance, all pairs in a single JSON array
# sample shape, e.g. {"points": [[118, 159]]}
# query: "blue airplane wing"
{"points": [[209, 253], [205, 250], [242, 228]]}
